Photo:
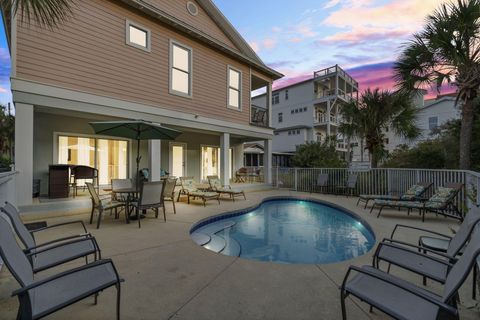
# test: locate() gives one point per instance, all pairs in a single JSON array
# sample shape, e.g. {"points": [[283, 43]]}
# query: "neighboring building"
{"points": [[432, 113], [310, 110], [179, 63]]}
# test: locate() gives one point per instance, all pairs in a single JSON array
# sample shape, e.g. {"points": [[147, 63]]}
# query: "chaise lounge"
{"points": [[413, 193], [218, 187], [189, 189], [440, 203]]}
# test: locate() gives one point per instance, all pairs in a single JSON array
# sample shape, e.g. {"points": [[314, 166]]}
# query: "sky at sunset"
{"points": [[298, 37]]}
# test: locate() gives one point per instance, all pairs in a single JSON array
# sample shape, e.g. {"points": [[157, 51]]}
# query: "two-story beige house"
{"points": [[179, 63]]}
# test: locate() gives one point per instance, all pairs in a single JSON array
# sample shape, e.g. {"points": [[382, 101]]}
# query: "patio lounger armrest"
{"points": [[399, 226], [441, 254], [92, 239], [41, 282], [60, 225], [77, 236], [392, 245], [391, 281]]}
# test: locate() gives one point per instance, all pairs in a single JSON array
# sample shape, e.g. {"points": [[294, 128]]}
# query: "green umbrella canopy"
{"points": [[135, 129]]}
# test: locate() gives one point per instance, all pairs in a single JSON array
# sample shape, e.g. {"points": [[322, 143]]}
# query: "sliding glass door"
{"points": [[211, 162], [109, 156]]}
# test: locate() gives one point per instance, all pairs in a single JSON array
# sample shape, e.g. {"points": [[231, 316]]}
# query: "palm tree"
{"points": [[376, 112], [447, 51], [46, 12]]}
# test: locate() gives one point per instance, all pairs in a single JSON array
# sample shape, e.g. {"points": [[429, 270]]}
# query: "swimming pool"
{"points": [[287, 230]]}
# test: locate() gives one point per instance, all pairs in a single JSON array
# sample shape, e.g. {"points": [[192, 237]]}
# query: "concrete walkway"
{"points": [[169, 277]]}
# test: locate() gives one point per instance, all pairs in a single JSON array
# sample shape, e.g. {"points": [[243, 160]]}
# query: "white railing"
{"points": [[323, 119], [383, 181]]}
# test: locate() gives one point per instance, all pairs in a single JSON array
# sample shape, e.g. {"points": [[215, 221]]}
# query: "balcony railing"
{"points": [[259, 116], [324, 119], [333, 70], [389, 181]]}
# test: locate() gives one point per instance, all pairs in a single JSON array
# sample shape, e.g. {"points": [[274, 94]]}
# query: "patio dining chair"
{"points": [[349, 187], [401, 299], [39, 298], [169, 192], [102, 204], [415, 192], [442, 202], [217, 186], [322, 181], [437, 242], [119, 184], [151, 197], [54, 252]]}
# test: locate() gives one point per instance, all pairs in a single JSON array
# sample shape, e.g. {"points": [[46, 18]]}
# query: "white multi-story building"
{"points": [[432, 113], [310, 110]]}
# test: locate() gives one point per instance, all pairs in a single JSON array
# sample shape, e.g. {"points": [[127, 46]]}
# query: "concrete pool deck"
{"points": [[167, 276]]}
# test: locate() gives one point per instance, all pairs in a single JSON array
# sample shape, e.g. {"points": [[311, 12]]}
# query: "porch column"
{"points": [[24, 152], [267, 161], [269, 103], [224, 158], [154, 147]]}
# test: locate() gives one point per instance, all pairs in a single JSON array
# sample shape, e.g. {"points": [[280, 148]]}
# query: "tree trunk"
{"points": [[466, 134]]}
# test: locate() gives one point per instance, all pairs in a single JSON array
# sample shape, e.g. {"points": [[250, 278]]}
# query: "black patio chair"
{"points": [[151, 197], [322, 182], [348, 188], [427, 259], [401, 299], [39, 298], [55, 252]]}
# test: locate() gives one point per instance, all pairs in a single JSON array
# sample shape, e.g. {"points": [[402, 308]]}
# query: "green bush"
{"points": [[318, 155]]}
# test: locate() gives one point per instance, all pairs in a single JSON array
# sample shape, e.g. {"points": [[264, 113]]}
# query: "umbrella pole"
{"points": [[138, 164]]}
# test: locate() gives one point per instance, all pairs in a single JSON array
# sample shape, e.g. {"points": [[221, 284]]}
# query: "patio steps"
{"points": [[211, 238]]}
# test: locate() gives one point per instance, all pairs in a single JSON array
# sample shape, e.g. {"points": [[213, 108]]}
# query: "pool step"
{"points": [[217, 227], [216, 244], [200, 238], [232, 248]]}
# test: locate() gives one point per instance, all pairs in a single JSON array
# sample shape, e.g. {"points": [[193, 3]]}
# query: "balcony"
{"points": [[259, 116], [323, 119], [335, 70]]}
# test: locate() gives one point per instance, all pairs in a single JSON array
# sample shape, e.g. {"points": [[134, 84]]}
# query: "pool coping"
{"points": [[230, 214]]}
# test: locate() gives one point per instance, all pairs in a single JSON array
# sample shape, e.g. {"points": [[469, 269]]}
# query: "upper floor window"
{"points": [[180, 69], [234, 88], [432, 123], [137, 36], [276, 98], [280, 117], [286, 94]]}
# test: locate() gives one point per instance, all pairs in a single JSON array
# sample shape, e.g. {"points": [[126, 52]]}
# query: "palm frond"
{"points": [[47, 13]]}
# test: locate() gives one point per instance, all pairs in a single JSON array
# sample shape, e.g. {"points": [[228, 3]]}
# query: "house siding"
{"points": [[89, 54], [201, 21]]}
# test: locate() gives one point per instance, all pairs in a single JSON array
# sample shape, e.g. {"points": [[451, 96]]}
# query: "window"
{"points": [[234, 88], [298, 131], [305, 109], [289, 133], [432, 123], [276, 133], [180, 70], [280, 117], [276, 98], [137, 36], [296, 110], [109, 156], [292, 111], [286, 94]]}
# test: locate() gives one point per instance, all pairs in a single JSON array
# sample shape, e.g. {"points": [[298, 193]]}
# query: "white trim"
{"points": [[35, 93], [240, 89], [170, 157], [129, 23], [13, 44], [170, 69]]}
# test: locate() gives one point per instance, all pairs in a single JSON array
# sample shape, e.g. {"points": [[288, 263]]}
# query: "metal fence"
{"points": [[383, 181]]}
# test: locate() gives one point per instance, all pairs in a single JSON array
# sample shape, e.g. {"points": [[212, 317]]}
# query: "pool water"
{"points": [[288, 231]]}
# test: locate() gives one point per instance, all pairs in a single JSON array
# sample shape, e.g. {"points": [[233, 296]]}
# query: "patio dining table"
{"points": [[132, 193]]}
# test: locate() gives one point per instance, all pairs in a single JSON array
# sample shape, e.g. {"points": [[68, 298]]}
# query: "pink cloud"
{"points": [[268, 43], [3, 90], [255, 46], [364, 34]]}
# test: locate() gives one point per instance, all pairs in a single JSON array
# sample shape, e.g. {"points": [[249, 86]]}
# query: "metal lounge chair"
{"points": [[218, 187], [413, 193], [189, 189], [452, 246], [401, 299], [39, 298], [101, 205], [442, 202], [151, 197], [55, 252], [322, 181], [350, 185], [169, 192]]}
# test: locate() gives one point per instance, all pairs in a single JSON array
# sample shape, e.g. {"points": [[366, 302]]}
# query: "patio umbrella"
{"points": [[135, 130]]}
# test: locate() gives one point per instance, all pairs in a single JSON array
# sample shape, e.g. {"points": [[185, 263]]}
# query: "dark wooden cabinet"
{"points": [[58, 181]]}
